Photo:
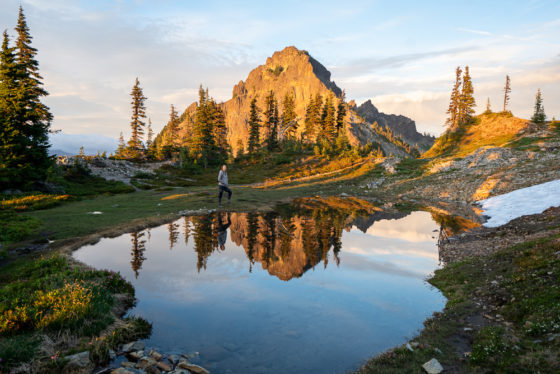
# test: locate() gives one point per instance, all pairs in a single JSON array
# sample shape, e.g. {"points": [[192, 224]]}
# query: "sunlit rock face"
{"points": [[290, 71]]}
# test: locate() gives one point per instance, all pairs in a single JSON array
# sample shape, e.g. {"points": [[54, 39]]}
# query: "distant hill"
{"points": [[494, 129], [288, 71], [400, 125], [60, 152], [69, 144]]}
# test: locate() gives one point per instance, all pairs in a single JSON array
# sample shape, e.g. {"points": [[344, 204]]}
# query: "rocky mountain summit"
{"points": [[293, 71]]}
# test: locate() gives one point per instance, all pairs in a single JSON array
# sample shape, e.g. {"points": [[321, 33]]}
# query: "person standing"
{"points": [[223, 184]]}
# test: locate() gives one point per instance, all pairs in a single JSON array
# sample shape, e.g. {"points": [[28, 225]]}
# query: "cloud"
{"points": [[376, 63]]}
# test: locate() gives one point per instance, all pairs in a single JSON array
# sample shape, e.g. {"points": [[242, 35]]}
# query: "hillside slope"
{"points": [[491, 130]]}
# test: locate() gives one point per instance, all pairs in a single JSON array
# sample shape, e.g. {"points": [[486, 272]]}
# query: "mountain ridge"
{"points": [[289, 71]]}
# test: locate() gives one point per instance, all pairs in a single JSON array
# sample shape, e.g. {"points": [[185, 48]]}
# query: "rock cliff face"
{"points": [[290, 71], [401, 125]]}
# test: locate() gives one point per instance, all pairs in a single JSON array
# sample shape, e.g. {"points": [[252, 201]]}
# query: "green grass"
{"points": [[527, 296], [16, 226], [46, 295], [411, 167]]}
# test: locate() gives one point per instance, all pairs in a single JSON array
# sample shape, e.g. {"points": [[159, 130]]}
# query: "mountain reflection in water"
{"points": [[317, 285]]}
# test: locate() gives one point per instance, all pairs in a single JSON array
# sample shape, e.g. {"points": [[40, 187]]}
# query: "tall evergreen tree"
{"points": [[507, 90], [453, 108], [149, 135], [466, 99], [289, 118], [254, 128], [28, 119], [313, 117], [340, 113], [538, 116], [328, 119], [173, 125], [12, 140], [137, 124], [270, 123], [309, 128], [203, 143], [220, 132]]}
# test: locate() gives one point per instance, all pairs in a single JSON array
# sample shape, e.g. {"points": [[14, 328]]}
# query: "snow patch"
{"points": [[525, 201]]}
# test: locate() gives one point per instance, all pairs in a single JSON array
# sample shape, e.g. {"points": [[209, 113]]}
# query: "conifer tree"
{"points": [[328, 119], [309, 128], [121, 148], [340, 114], [25, 120], [538, 116], [313, 117], [289, 118], [172, 125], [240, 148], [466, 99], [254, 128], [203, 144], [137, 124], [11, 139], [270, 123], [218, 119], [149, 135], [507, 90], [453, 108], [488, 108]]}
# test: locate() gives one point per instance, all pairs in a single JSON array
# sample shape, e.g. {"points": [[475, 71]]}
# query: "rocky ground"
{"points": [[135, 358], [489, 171], [119, 170], [484, 241]]}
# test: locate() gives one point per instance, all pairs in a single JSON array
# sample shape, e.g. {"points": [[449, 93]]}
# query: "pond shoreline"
{"points": [[490, 318], [390, 361]]}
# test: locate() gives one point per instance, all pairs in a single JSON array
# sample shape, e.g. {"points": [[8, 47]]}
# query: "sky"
{"points": [[400, 54]]}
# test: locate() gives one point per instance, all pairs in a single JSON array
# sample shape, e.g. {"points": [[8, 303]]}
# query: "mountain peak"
{"points": [[288, 70]]}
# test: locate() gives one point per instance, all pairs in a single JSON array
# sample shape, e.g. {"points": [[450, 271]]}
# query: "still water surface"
{"points": [[314, 287]]}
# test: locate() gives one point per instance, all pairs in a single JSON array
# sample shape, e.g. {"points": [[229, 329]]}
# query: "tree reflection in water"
{"points": [[286, 242], [138, 249]]}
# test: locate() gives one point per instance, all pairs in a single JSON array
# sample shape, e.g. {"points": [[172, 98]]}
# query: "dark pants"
{"points": [[221, 190]]}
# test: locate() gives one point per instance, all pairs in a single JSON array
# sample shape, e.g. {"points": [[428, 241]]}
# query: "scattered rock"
{"points": [[155, 355], [164, 366], [152, 370], [146, 362], [432, 367], [134, 346], [122, 371], [173, 359], [193, 368], [78, 363], [136, 355]]}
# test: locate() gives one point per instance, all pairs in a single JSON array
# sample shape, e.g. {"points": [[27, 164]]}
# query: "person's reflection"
{"points": [[222, 230]]}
